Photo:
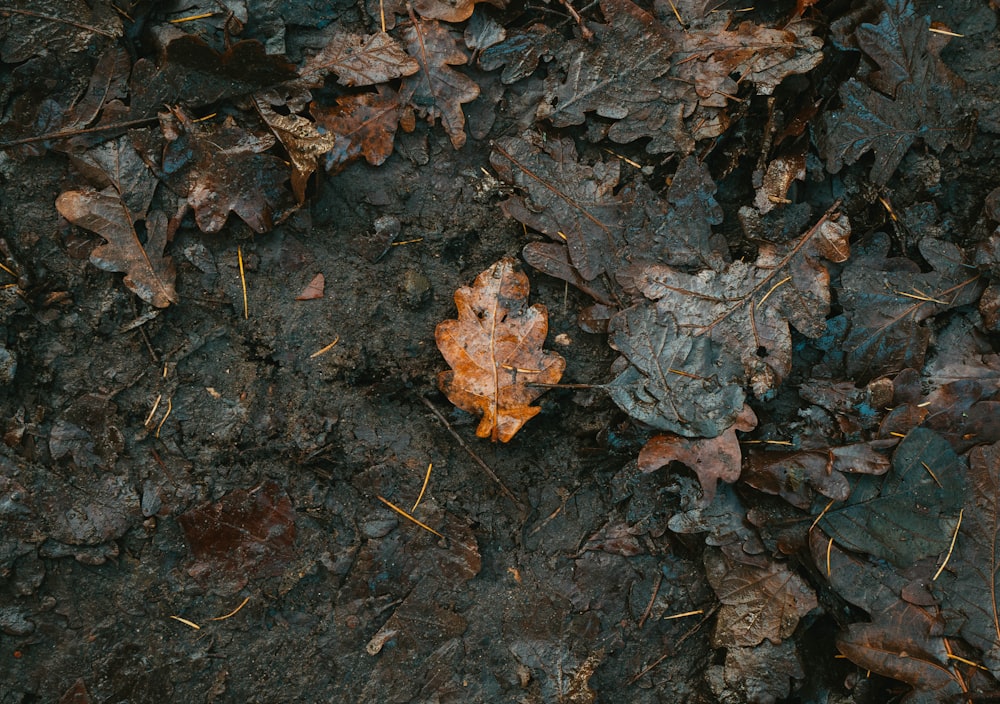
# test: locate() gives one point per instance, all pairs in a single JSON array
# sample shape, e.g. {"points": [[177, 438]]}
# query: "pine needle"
{"points": [[243, 282], [326, 349], [231, 613], [192, 624], [427, 478], [407, 516], [170, 407], [951, 547]]}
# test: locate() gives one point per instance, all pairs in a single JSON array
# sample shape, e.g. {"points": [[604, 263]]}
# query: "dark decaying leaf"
{"points": [[26, 34], [364, 126], [724, 521], [758, 602], [437, 90], [670, 380], [220, 168], [666, 84], [911, 96], [712, 459], [764, 673], [148, 272], [192, 73], [570, 202], [747, 309], [495, 351], [520, 53], [970, 587], [887, 298], [244, 535], [450, 10], [359, 61], [908, 514]]}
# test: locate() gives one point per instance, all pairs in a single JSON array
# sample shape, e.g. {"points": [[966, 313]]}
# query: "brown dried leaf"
{"points": [[313, 290], [437, 90], [364, 126], [221, 168], [148, 272], [757, 602], [495, 351], [360, 61], [450, 10], [712, 459]]}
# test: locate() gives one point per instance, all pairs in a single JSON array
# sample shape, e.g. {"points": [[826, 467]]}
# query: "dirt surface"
{"points": [[129, 430]]}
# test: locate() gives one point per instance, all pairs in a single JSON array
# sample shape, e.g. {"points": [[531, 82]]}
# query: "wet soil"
{"points": [[119, 419]]}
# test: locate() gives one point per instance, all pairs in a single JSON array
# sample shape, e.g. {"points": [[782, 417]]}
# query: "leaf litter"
{"points": [[812, 399]]}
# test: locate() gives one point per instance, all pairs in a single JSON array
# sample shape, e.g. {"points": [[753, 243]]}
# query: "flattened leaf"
{"points": [[221, 168], [449, 10], [908, 514], [747, 308], [495, 351], [520, 53], [437, 90], [685, 384], [364, 126], [795, 476], [912, 95], [148, 272], [243, 535], [712, 459], [568, 201], [758, 602], [764, 673], [359, 61], [970, 587], [886, 300]]}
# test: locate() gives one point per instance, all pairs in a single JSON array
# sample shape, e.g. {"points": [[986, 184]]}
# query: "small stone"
{"points": [[416, 288]]}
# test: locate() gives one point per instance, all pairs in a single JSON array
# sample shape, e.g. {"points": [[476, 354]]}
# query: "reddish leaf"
{"points": [[359, 61], [758, 603], [148, 272], [363, 125], [712, 459], [495, 351], [244, 535], [313, 290], [449, 10], [436, 90]]}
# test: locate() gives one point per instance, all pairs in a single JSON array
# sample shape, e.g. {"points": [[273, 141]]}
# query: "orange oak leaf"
{"points": [[495, 351]]}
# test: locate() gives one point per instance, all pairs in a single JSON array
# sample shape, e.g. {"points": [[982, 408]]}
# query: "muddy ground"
{"points": [[117, 424]]}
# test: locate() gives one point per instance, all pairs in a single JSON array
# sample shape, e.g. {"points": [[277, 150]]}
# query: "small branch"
{"points": [[486, 468], [73, 133]]}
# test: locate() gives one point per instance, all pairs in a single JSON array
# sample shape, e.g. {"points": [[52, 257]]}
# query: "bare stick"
{"points": [[486, 468]]}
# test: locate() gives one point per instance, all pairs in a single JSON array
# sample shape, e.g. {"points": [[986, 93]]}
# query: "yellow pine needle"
{"points": [[918, 296], [624, 158], [951, 547], [8, 270], [427, 478], [407, 516], [207, 117], [894, 434], [192, 624], [829, 548], [156, 404], [773, 289], [683, 615], [243, 282], [170, 407], [952, 656], [946, 32], [381, 12], [231, 613], [821, 514], [933, 476], [326, 349], [400, 244], [192, 18]]}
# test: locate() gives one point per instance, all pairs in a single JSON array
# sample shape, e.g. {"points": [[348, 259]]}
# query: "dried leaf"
{"points": [[886, 300], [909, 514], [669, 85], [364, 125], [437, 90], [747, 309], [672, 381], [712, 459], [758, 603], [221, 168], [495, 351], [764, 673], [568, 201], [970, 587], [795, 476], [449, 10], [245, 534], [313, 290], [359, 61], [79, 25], [148, 272], [520, 53], [192, 73], [912, 95]]}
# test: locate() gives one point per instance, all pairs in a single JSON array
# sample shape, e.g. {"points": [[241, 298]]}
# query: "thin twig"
{"points": [[671, 649], [59, 20], [73, 133], [486, 468], [652, 599]]}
